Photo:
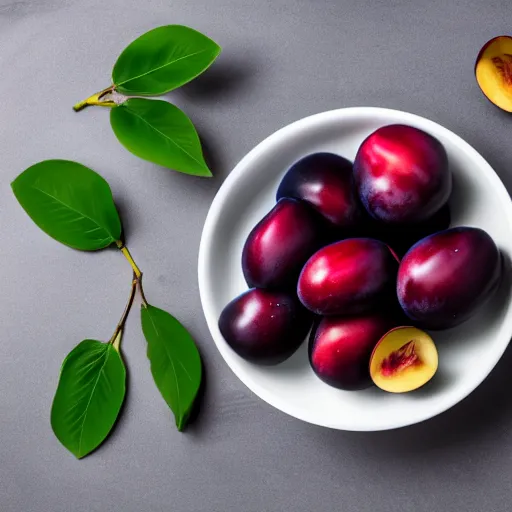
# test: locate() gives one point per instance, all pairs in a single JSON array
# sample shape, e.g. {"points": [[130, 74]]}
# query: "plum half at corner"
{"points": [[402, 174], [265, 327], [325, 181], [445, 277], [280, 244], [340, 348], [349, 277]]}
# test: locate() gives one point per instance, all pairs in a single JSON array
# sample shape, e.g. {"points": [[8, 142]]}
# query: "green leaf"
{"points": [[89, 396], [159, 132], [69, 202], [175, 361], [162, 60]]}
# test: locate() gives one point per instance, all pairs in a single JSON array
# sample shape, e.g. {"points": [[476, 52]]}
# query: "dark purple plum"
{"points": [[263, 326], [348, 277], [445, 277], [401, 237], [340, 348], [325, 181], [277, 248], [402, 175]]}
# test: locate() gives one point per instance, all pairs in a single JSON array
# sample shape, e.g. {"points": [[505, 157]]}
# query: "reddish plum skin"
{"points": [[402, 237], [263, 326], [340, 348], [348, 277], [402, 175], [325, 181], [445, 277], [280, 244]]}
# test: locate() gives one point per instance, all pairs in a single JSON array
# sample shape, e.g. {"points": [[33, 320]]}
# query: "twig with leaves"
{"points": [[156, 63], [74, 205]]}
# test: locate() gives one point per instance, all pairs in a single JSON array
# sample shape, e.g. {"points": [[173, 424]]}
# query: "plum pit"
{"points": [[400, 359]]}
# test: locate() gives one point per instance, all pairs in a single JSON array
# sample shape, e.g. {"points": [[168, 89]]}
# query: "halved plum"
{"points": [[340, 348], [493, 71], [404, 359]]}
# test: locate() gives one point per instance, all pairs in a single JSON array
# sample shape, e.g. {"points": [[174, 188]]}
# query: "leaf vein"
{"points": [[71, 208], [166, 137], [172, 364], [170, 63], [89, 401]]}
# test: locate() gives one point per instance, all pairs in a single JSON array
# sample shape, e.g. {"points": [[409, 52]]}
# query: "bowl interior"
{"points": [[467, 353]]}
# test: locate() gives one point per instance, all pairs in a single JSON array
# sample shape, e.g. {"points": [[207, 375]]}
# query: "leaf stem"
{"points": [[142, 296], [128, 256], [96, 99], [116, 337], [117, 340], [136, 270]]}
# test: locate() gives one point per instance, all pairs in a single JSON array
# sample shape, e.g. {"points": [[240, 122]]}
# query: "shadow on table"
{"points": [[194, 423], [229, 75], [126, 215], [483, 413]]}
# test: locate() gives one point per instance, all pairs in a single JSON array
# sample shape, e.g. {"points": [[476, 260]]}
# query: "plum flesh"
{"points": [[404, 359], [493, 71], [340, 348]]}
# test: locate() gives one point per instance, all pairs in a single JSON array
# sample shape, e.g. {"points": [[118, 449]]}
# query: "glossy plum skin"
{"points": [[348, 277], [402, 237], [263, 326], [325, 181], [445, 277], [402, 175], [280, 244], [340, 348]]}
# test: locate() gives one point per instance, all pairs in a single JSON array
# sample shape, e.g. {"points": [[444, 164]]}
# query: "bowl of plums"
{"points": [[354, 269]]}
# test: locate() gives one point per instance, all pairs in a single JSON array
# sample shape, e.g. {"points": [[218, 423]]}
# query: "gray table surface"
{"points": [[282, 60]]}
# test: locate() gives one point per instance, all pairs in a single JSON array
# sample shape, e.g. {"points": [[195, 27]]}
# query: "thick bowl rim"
{"points": [[277, 138]]}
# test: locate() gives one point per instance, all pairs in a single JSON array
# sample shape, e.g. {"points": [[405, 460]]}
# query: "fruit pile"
{"points": [[364, 254]]}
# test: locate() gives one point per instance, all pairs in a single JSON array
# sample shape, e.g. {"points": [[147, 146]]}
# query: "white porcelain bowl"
{"points": [[467, 353]]}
